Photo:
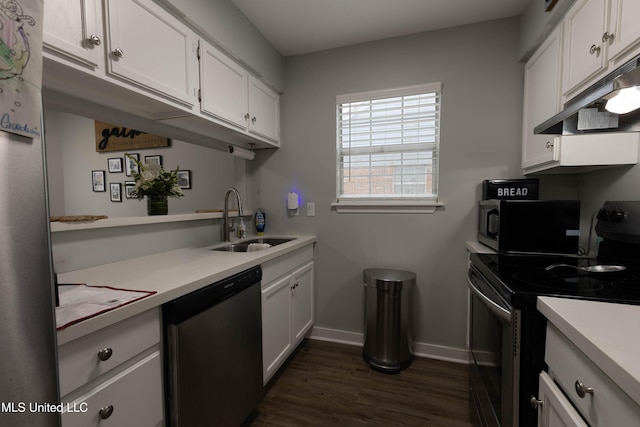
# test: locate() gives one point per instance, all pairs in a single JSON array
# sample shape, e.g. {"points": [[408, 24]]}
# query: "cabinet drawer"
{"points": [[134, 395], [79, 362], [271, 270], [608, 405]]}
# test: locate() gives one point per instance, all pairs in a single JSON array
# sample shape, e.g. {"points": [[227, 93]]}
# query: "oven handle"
{"points": [[502, 313]]}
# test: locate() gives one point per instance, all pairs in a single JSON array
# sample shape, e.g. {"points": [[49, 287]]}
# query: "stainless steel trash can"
{"points": [[388, 318]]}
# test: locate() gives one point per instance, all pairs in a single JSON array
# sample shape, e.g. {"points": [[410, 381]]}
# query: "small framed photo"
{"points": [[131, 167], [129, 188], [97, 181], [115, 191], [153, 160], [184, 179], [115, 165]]}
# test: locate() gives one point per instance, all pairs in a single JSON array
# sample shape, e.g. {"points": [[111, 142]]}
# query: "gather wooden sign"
{"points": [[111, 137]]}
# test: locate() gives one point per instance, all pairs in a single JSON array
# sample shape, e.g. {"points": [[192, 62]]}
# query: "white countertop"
{"points": [[606, 333], [170, 274]]}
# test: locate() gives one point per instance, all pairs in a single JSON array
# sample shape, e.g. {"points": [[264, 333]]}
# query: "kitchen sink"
{"points": [[244, 245]]}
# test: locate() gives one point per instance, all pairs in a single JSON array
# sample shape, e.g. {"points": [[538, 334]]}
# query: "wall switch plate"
{"points": [[311, 209]]}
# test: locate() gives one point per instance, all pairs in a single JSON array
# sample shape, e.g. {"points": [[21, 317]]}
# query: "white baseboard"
{"points": [[431, 351]]}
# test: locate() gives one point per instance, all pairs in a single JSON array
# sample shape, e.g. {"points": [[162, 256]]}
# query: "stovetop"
{"points": [[521, 278]]}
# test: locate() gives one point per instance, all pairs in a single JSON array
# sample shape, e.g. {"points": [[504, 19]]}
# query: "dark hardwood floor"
{"points": [[329, 384]]}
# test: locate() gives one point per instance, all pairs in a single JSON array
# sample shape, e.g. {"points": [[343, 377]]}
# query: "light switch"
{"points": [[311, 209]]}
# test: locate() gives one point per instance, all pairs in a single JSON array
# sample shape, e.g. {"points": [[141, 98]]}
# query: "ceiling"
{"points": [[301, 26]]}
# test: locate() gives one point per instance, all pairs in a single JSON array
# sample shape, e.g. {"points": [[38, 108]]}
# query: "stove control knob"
{"points": [[618, 215]]}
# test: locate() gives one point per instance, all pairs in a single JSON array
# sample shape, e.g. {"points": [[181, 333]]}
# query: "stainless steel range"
{"points": [[507, 332]]}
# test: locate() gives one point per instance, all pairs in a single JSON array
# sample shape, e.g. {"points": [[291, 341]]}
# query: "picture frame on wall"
{"points": [[97, 181], [184, 179], [153, 160], [115, 165], [130, 166], [129, 188], [115, 191]]}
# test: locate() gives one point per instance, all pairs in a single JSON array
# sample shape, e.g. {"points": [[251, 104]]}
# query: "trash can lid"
{"points": [[387, 277]]}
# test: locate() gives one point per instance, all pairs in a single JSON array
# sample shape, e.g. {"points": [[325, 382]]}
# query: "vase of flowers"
{"points": [[157, 184]]}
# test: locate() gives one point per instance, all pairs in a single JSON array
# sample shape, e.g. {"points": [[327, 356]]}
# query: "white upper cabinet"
{"points": [[264, 110], [600, 35], [223, 87], [73, 30], [150, 48], [624, 30], [541, 101], [584, 50]]}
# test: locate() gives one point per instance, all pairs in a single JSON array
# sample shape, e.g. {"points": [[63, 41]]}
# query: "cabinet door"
{"points": [[555, 410], [223, 86], [624, 31], [276, 326], [584, 51], [151, 49], [542, 100], [72, 29], [302, 299], [264, 109]]}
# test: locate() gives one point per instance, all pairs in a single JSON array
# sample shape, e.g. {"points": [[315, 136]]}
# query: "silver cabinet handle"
{"points": [[94, 40], [535, 402], [253, 119], [105, 354], [607, 36], [583, 390], [106, 412], [247, 116], [594, 49], [549, 144], [118, 52]]}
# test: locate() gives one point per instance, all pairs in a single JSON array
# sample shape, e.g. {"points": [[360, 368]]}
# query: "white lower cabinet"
{"points": [[287, 307], [114, 376], [553, 407], [577, 393]]}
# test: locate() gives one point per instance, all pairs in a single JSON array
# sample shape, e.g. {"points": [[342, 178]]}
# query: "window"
{"points": [[387, 147]]}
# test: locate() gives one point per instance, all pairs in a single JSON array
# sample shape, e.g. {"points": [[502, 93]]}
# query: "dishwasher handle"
{"points": [[185, 307]]}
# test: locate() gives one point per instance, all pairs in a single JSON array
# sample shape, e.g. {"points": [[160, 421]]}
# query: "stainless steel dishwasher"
{"points": [[214, 353]]}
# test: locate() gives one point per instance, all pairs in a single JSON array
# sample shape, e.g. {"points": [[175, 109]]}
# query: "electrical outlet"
{"points": [[311, 209]]}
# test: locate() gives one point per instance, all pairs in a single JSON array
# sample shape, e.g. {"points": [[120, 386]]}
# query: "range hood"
{"points": [[586, 112]]}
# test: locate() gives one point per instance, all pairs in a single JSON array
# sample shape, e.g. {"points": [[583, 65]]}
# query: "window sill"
{"points": [[401, 207]]}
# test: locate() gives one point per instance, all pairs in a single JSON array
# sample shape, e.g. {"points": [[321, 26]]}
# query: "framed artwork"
{"points": [[115, 165], [115, 191], [131, 167], [129, 188], [97, 181], [153, 160], [184, 179]]}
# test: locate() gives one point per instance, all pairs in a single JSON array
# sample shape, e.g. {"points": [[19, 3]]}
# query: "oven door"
{"points": [[494, 357]]}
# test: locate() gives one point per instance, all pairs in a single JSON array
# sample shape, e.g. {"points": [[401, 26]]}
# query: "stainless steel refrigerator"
{"points": [[28, 366]]}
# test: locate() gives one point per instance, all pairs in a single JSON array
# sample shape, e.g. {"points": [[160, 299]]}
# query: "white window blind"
{"points": [[387, 144]]}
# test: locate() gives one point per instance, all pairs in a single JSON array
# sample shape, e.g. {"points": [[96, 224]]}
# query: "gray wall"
{"points": [[480, 139]]}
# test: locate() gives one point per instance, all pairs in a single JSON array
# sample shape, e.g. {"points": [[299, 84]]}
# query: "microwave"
{"points": [[530, 226]]}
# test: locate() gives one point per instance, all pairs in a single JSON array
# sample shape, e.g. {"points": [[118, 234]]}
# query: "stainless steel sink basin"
{"points": [[244, 245]]}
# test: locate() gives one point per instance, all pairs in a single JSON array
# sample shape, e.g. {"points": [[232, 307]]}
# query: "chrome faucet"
{"points": [[226, 228]]}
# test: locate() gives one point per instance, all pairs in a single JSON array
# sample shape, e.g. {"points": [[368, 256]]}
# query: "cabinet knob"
{"points": [[247, 116], [594, 49], [607, 36], [583, 390], [118, 53], [549, 144], [253, 119], [106, 412], [94, 40], [535, 402], [105, 354]]}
